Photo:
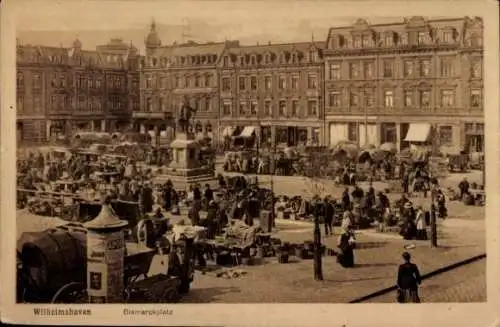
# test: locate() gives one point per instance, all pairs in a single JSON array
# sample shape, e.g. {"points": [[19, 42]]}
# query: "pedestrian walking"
{"points": [[328, 213], [408, 281]]}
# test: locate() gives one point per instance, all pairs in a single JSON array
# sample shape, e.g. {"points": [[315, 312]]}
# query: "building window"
{"points": [[253, 108], [388, 68], [91, 83], [295, 108], [408, 68], [253, 83], [149, 105], [268, 82], [446, 67], [295, 82], [354, 68], [311, 82], [226, 61], [475, 98], [243, 108], [242, 83], [226, 108], [365, 41], [20, 104], [36, 81], [335, 71], [208, 80], [368, 69], [447, 37], [389, 99], [425, 67], [282, 108], [335, 99], [425, 98], [312, 108], [388, 40], [408, 98], [445, 135], [20, 81], [369, 98], [98, 83], [62, 80], [447, 98], [476, 68], [282, 82], [226, 84], [208, 104], [149, 82], [421, 38], [357, 42], [197, 81], [354, 99], [352, 132], [267, 108]]}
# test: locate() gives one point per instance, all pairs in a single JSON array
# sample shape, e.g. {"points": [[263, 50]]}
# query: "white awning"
{"points": [[247, 131], [228, 131], [418, 133]]}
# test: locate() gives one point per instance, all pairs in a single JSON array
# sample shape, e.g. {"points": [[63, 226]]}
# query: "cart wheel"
{"points": [[70, 293]]}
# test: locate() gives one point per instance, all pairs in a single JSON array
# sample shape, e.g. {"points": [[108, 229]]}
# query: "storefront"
{"points": [[31, 131], [474, 137]]}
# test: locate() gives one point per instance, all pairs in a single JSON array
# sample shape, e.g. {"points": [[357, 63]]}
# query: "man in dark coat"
{"points": [[329, 212], [211, 220], [209, 193], [346, 199], [464, 188]]}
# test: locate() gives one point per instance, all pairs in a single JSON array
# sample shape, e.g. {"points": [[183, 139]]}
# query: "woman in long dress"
{"points": [[408, 281], [346, 244]]}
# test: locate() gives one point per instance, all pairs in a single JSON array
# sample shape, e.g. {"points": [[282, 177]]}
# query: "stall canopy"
{"points": [[248, 131], [418, 133], [228, 131]]}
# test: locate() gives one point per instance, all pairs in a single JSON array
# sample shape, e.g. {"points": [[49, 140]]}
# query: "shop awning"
{"points": [[228, 131], [247, 131], [418, 133]]}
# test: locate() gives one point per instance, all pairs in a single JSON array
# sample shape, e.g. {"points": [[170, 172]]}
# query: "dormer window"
{"points": [[421, 38], [365, 41], [448, 36], [268, 58], [226, 61], [242, 60], [253, 60], [389, 40], [155, 61], [357, 42], [312, 55]]}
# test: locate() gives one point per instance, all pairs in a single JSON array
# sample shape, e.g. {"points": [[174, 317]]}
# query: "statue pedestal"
{"points": [[185, 168]]}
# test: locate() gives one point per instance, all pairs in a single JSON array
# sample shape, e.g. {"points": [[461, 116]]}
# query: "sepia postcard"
{"points": [[250, 163]]}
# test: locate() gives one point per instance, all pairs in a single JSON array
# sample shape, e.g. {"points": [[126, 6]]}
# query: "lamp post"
{"points": [[433, 226], [318, 264]]}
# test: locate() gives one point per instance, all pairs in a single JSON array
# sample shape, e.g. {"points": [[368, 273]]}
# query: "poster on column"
{"points": [[114, 261]]}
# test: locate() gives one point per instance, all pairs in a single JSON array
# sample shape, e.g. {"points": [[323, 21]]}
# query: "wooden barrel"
{"points": [[53, 260]]}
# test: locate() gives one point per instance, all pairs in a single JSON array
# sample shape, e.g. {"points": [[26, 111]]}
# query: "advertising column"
{"points": [[105, 257]]}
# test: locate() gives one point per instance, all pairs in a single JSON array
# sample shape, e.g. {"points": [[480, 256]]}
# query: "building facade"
{"points": [[176, 74], [274, 92], [414, 81], [64, 90]]}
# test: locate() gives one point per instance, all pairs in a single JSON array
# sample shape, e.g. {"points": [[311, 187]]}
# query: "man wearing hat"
{"points": [[329, 212], [408, 281]]}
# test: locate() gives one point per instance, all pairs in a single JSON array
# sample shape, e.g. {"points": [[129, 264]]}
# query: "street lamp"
{"points": [[318, 264]]}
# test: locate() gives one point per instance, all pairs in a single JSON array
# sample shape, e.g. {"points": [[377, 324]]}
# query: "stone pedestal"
{"points": [[185, 168]]}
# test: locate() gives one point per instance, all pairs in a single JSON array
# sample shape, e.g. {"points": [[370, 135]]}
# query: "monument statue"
{"points": [[186, 115]]}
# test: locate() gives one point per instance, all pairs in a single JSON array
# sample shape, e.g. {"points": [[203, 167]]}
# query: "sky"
{"points": [[58, 23]]}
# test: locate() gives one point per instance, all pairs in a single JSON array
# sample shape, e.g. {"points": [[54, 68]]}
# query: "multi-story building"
{"points": [[43, 92], [416, 80], [273, 91], [172, 75], [62, 90], [115, 46]]}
